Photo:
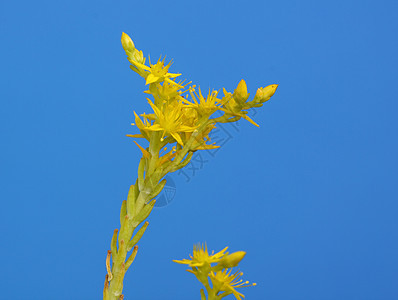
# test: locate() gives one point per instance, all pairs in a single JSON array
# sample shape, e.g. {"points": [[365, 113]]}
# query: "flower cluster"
{"points": [[182, 114], [218, 279]]}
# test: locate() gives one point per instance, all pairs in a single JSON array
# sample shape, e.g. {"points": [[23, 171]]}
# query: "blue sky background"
{"points": [[311, 195]]}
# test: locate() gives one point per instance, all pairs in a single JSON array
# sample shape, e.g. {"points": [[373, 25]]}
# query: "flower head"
{"points": [[170, 90], [201, 256], [170, 121], [205, 106], [226, 282], [155, 73]]}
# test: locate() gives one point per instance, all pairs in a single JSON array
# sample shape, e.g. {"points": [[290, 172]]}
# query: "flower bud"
{"points": [[232, 260], [264, 94], [240, 94], [127, 43], [259, 95], [139, 56]]}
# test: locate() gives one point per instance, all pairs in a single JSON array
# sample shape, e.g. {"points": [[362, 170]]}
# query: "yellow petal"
{"points": [[207, 147], [155, 127], [177, 137], [173, 82], [138, 122], [140, 66], [184, 261], [151, 79], [185, 128], [157, 111], [135, 135]]}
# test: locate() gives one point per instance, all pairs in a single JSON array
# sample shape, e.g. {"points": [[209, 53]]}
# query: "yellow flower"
{"points": [[200, 257], [202, 138], [169, 121], [142, 125], [190, 116], [205, 106], [156, 73], [226, 282], [170, 91]]}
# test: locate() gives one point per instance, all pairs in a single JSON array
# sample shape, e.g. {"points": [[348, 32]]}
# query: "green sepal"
{"points": [[123, 211], [137, 236]]}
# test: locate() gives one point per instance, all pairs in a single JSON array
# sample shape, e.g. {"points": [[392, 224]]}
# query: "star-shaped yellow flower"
{"points": [[157, 72], [201, 256], [169, 121], [210, 104], [204, 105], [226, 282]]}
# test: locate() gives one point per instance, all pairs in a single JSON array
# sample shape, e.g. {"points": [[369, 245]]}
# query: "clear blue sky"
{"points": [[311, 195]]}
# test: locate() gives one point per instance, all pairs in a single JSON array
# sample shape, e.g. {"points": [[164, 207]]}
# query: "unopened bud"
{"points": [[240, 94], [232, 260], [127, 43], [259, 94], [139, 57], [264, 94]]}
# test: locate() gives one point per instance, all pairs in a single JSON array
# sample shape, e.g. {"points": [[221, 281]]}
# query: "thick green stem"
{"points": [[134, 212], [138, 206]]}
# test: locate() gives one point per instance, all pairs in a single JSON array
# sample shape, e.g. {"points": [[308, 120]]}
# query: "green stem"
{"points": [[131, 220], [138, 207]]}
